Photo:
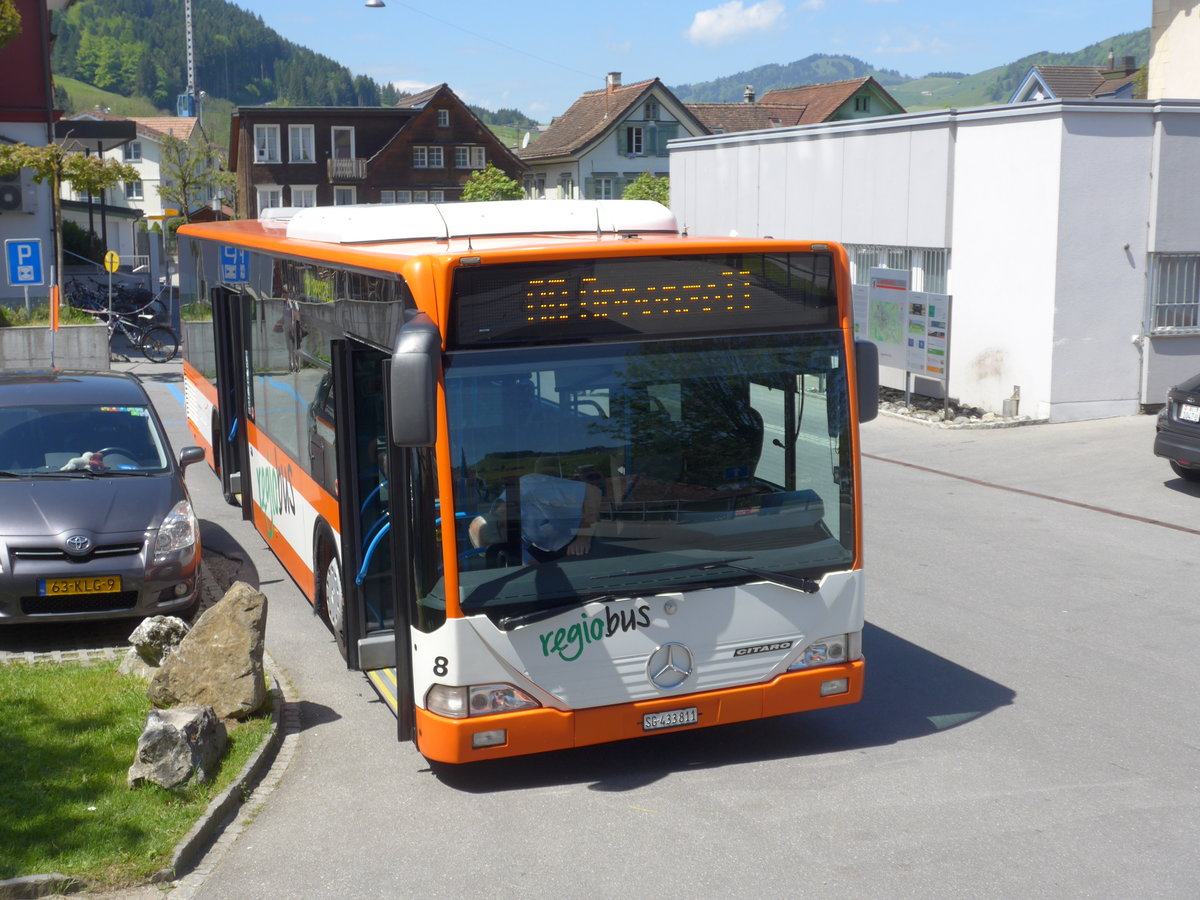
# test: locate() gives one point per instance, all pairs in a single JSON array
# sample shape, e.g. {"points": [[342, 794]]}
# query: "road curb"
{"points": [[221, 810]]}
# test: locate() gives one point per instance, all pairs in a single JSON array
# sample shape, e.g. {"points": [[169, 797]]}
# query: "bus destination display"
{"points": [[599, 299]]}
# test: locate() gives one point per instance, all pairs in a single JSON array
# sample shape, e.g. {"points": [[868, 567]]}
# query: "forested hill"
{"points": [[819, 68], [136, 48]]}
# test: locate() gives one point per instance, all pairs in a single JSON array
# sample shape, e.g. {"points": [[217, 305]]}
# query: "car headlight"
{"points": [[178, 531], [827, 651], [476, 700]]}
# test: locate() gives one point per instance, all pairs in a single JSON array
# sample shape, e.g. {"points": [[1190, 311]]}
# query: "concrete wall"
{"points": [[74, 347], [1049, 210]]}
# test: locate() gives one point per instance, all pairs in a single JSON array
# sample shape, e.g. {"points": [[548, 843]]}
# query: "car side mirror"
{"points": [[189, 455]]}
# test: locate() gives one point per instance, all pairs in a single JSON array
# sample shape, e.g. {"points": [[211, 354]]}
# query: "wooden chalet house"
{"points": [[423, 151]]}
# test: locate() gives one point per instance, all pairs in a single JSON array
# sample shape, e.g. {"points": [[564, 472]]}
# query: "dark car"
{"points": [[95, 521], [1177, 435]]}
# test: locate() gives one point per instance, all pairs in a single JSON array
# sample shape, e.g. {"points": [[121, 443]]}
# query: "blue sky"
{"points": [[538, 57]]}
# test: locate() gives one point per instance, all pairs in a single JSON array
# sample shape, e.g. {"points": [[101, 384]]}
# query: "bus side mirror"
{"points": [[416, 368], [866, 374]]}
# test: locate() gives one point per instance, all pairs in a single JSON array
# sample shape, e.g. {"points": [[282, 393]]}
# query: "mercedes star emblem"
{"points": [[669, 666]]}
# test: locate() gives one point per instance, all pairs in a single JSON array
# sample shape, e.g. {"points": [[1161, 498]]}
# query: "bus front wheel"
{"points": [[331, 598]]}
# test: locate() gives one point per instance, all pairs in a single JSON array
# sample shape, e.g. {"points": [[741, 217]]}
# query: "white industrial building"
{"points": [[1067, 233]]}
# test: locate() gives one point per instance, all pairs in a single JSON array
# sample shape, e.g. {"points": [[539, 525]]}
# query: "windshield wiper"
{"points": [[508, 623], [808, 585]]}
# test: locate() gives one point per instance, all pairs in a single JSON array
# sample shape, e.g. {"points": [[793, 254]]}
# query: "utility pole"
{"points": [[186, 103]]}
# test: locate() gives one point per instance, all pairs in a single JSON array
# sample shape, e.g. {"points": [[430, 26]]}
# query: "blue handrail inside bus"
{"points": [[383, 526], [233, 430]]}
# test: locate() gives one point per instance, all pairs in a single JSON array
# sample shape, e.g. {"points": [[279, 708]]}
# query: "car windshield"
{"points": [[68, 440], [627, 469]]}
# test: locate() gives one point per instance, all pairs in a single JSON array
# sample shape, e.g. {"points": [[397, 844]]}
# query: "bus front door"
{"points": [[364, 503], [231, 449]]}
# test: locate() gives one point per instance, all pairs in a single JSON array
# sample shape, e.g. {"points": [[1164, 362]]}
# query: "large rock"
{"points": [[153, 641], [177, 745], [220, 662]]}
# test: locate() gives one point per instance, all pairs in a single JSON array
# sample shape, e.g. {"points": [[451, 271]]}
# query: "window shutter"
{"points": [[666, 133], [589, 188], [650, 141]]}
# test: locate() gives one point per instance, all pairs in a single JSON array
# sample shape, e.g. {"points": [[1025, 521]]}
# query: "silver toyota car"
{"points": [[95, 521]]}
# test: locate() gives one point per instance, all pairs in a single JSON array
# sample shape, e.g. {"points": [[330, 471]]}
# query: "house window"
{"points": [[420, 196], [862, 104], [566, 186], [343, 142], [602, 189], [1174, 292], [268, 196], [428, 158], [133, 190], [651, 110], [304, 195], [443, 118], [633, 140], [928, 267], [469, 157], [344, 196], [266, 143], [437, 196], [132, 152], [300, 144], [404, 196], [387, 196]]}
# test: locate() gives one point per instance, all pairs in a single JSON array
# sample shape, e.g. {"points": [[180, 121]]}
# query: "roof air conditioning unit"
{"points": [[17, 193]]}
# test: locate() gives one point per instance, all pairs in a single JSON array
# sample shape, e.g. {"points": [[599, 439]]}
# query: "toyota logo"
{"points": [[78, 544], [669, 666]]}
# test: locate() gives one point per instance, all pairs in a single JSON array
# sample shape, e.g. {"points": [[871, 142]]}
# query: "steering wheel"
{"points": [[122, 451]]}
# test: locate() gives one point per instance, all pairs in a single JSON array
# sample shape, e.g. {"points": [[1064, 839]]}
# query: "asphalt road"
{"points": [[1030, 726]]}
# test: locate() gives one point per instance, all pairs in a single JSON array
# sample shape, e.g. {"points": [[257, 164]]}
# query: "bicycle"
{"points": [[159, 343]]}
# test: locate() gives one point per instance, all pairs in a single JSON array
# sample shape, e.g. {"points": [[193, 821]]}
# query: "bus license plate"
{"points": [[1189, 413], [672, 718], [56, 587]]}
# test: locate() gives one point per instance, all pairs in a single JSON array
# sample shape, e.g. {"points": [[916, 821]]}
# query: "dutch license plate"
{"points": [[57, 587], [672, 718], [1189, 413]]}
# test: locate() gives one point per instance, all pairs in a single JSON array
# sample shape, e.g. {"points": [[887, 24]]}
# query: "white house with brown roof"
{"points": [[606, 140], [144, 153], [1113, 81]]}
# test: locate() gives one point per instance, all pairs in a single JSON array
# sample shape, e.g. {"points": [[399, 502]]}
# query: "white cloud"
{"points": [[733, 20], [904, 41], [812, 5], [411, 87]]}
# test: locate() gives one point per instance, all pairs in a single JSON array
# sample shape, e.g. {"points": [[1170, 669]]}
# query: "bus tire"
{"points": [[330, 590]]}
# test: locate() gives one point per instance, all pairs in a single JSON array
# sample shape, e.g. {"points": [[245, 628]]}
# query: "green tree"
{"points": [[191, 173], [648, 187], [489, 183], [54, 164], [10, 21]]}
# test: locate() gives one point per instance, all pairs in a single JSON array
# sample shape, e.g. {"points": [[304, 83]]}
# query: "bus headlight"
{"points": [[827, 651], [477, 700]]}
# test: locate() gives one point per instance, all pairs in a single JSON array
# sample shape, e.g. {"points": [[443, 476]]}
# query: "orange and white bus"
{"points": [[553, 472]]}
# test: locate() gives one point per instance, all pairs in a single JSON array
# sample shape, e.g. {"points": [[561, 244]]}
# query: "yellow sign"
{"points": [[111, 260], [170, 212]]}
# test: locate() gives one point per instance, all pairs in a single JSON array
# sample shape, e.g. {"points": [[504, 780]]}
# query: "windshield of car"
{"points": [[91, 439], [639, 468]]}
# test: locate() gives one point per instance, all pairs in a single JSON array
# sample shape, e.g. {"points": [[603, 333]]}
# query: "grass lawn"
{"points": [[68, 734]]}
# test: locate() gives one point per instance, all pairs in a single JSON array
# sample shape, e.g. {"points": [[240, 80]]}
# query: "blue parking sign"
{"points": [[24, 262], [235, 265]]}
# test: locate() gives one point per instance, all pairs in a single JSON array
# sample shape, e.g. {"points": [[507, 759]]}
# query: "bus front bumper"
{"points": [[540, 730]]}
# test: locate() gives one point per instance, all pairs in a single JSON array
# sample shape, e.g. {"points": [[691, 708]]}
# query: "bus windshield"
{"points": [[630, 469]]}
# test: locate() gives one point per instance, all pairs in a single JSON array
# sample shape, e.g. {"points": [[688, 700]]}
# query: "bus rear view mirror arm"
{"points": [[866, 371], [416, 368]]}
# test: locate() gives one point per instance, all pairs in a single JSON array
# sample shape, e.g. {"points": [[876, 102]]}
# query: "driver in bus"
{"points": [[558, 517]]}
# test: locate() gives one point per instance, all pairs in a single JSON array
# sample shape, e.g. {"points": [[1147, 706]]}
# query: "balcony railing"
{"points": [[346, 170]]}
